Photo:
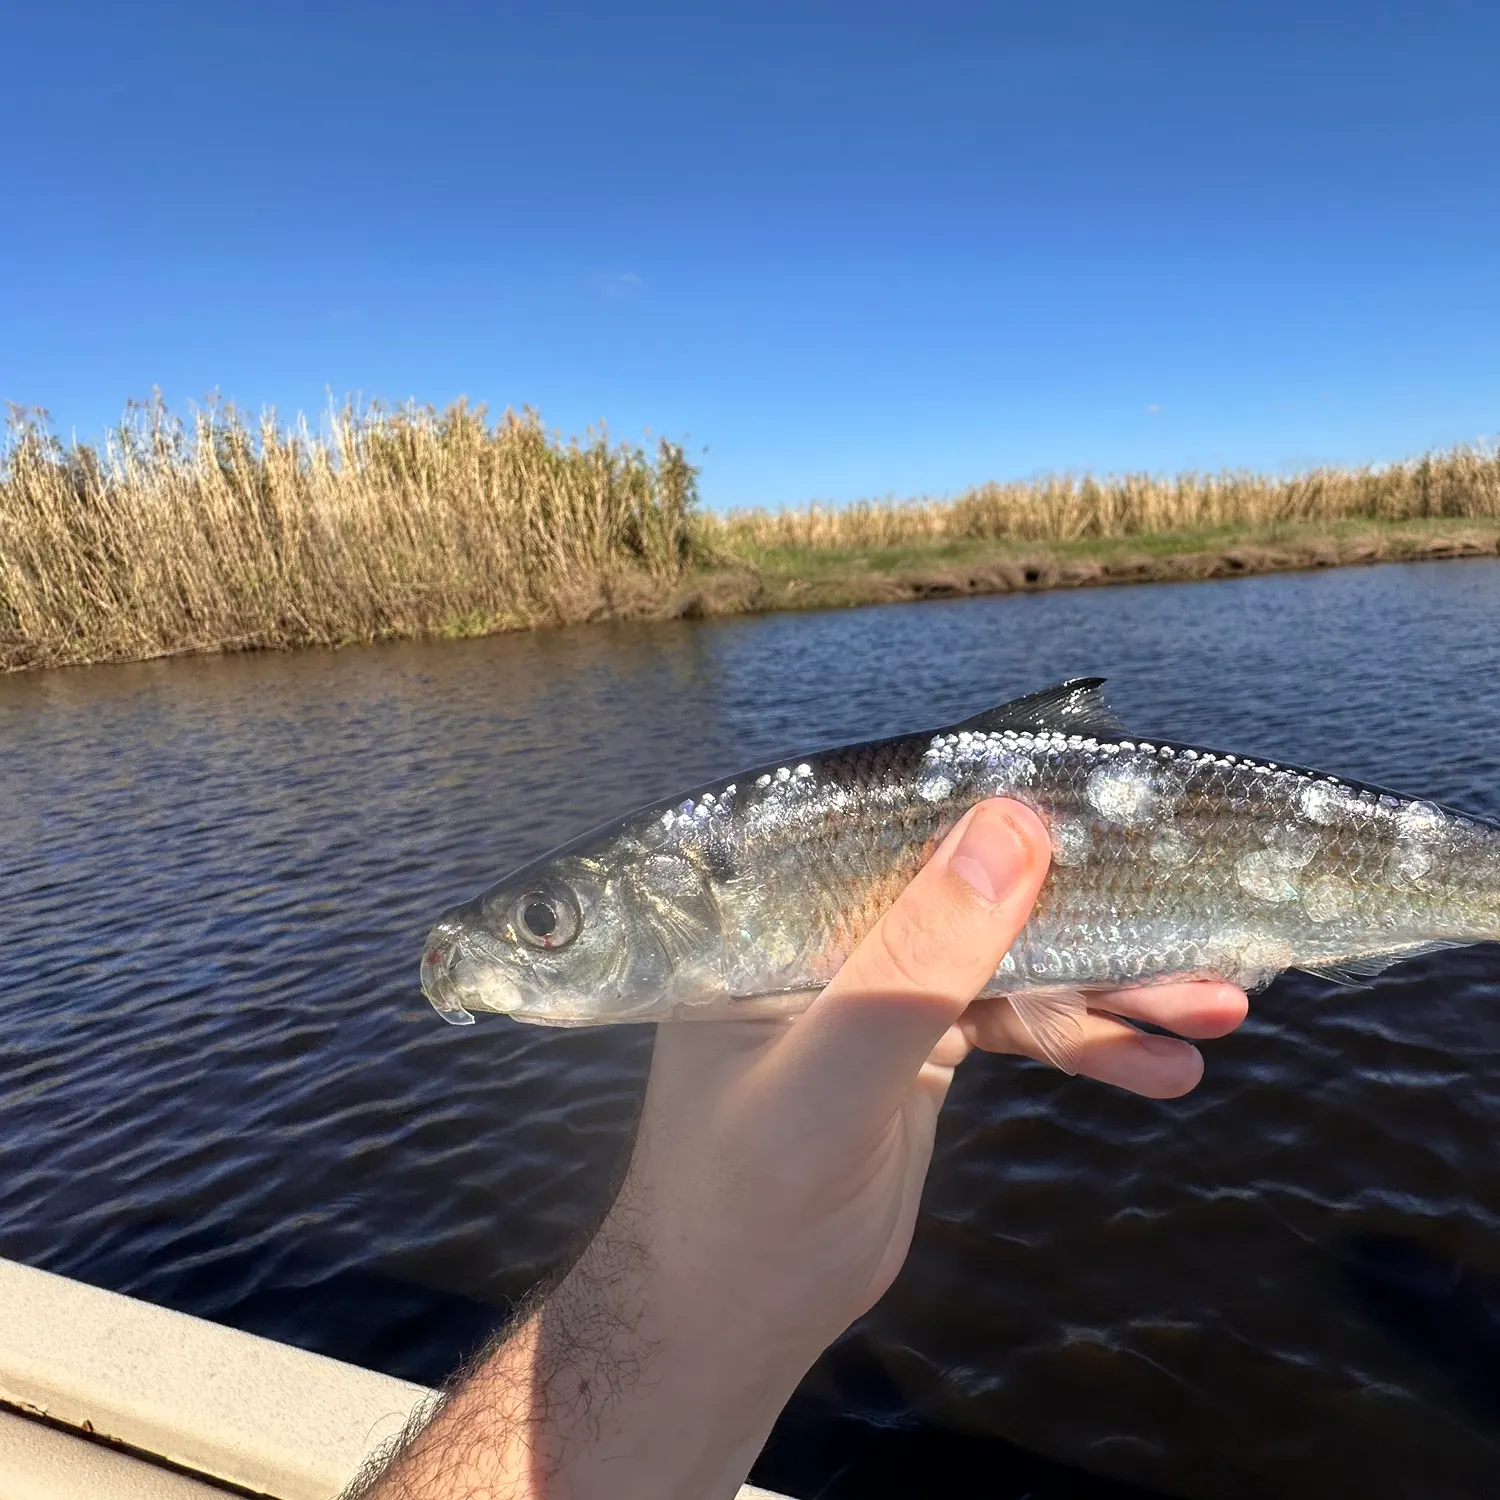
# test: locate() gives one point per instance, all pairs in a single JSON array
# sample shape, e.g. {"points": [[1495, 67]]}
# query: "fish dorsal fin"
{"points": [[1072, 707], [1358, 972]]}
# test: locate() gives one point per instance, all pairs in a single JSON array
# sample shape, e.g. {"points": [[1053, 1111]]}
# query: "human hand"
{"points": [[779, 1166], [771, 1197]]}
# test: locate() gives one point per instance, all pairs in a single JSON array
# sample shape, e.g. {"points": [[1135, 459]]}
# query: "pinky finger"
{"points": [[1103, 1048], [1158, 1067]]}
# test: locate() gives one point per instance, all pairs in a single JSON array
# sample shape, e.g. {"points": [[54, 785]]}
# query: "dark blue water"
{"points": [[221, 1090]]}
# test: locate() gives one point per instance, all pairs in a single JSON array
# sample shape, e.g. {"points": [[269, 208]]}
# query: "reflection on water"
{"points": [[221, 1089]]}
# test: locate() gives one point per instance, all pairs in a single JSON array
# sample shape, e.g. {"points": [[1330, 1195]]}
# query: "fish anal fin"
{"points": [[1054, 1018], [1358, 972], [1072, 707]]}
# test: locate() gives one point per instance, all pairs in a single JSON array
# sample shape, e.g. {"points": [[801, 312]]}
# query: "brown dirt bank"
{"points": [[777, 583], [814, 579]]}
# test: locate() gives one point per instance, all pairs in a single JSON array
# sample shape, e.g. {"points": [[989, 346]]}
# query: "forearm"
{"points": [[620, 1382]]}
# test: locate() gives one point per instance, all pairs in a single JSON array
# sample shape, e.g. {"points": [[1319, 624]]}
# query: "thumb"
{"points": [[867, 1035]]}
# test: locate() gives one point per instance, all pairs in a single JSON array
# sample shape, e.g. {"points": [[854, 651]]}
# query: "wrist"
{"points": [[621, 1383], [656, 1381]]}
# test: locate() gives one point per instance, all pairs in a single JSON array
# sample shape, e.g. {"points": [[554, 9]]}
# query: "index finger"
{"points": [[912, 976]]}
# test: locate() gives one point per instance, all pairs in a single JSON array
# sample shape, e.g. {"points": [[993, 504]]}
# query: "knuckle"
{"points": [[988, 1027], [915, 942]]}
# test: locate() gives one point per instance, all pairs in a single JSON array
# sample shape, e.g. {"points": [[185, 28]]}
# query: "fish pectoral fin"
{"points": [[1072, 707], [1054, 1018], [777, 1005], [1358, 972]]}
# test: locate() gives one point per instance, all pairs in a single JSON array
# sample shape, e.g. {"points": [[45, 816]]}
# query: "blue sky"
{"points": [[850, 249]]}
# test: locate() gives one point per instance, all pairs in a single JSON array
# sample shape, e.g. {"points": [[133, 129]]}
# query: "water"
{"points": [[221, 1090]]}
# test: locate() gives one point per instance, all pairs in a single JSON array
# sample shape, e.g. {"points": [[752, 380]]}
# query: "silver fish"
{"points": [[744, 897]]}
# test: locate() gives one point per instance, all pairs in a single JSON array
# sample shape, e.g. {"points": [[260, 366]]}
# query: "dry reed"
{"points": [[1463, 483], [215, 535]]}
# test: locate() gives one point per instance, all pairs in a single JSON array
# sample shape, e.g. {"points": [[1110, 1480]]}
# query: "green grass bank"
{"points": [[218, 533]]}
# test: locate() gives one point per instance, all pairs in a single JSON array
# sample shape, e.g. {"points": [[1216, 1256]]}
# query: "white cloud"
{"points": [[620, 284]]}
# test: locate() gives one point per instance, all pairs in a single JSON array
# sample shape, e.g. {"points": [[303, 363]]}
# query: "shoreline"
{"points": [[786, 580], [224, 534]]}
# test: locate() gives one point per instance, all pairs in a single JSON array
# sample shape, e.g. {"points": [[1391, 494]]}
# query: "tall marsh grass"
{"points": [[1463, 483], [218, 534]]}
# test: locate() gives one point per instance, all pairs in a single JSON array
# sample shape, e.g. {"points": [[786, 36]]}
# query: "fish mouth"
{"points": [[438, 959], [454, 977]]}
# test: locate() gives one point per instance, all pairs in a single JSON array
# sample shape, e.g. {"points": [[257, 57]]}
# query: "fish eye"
{"points": [[544, 919]]}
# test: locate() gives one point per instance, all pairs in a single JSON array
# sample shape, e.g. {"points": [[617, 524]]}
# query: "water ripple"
{"points": [[220, 1089]]}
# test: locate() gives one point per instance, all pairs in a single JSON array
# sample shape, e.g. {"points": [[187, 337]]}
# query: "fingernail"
{"points": [[990, 856]]}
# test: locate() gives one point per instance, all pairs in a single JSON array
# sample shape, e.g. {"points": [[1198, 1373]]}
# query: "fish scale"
{"points": [[1168, 861]]}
